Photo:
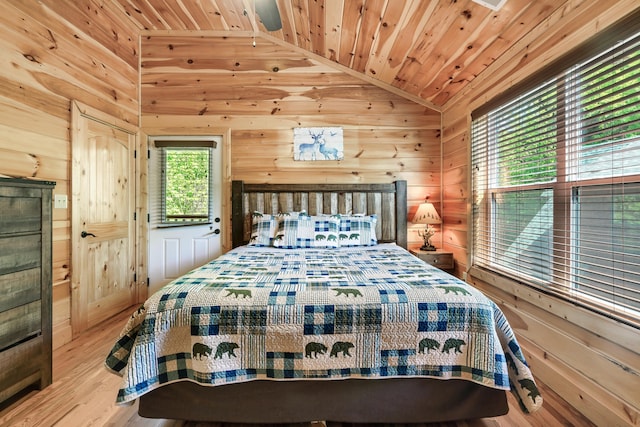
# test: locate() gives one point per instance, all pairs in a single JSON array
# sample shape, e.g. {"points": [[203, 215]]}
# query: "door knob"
{"points": [[85, 234]]}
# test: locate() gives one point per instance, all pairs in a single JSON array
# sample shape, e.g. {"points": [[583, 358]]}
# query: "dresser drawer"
{"points": [[20, 288], [20, 253], [20, 214], [20, 323], [22, 367]]}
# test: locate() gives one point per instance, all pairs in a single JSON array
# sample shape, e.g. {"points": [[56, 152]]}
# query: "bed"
{"points": [[342, 324]]}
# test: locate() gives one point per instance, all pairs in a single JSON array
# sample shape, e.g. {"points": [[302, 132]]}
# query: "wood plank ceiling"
{"points": [[424, 50]]}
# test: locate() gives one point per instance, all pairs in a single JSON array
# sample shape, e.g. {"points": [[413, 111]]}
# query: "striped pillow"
{"points": [[263, 229]]}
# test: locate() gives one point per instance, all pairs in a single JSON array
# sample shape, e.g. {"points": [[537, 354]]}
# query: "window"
{"points": [[556, 178], [186, 168]]}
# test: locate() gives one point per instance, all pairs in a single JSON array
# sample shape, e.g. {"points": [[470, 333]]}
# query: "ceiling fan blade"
{"points": [[269, 14]]}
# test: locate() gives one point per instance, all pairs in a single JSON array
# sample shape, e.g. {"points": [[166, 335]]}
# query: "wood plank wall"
{"points": [[196, 84], [591, 361], [52, 52]]}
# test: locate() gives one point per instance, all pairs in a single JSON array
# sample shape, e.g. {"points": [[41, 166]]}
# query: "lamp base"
{"points": [[429, 248]]}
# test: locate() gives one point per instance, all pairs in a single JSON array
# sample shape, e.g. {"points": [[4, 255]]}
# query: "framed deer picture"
{"points": [[322, 143]]}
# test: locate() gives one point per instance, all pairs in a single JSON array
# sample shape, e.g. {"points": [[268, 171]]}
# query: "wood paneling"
{"points": [[425, 50], [592, 361], [190, 84], [416, 58], [54, 51]]}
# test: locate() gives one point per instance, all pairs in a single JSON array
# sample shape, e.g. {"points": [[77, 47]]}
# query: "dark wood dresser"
{"points": [[25, 285]]}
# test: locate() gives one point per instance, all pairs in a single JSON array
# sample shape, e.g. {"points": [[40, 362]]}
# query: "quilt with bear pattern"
{"points": [[284, 314]]}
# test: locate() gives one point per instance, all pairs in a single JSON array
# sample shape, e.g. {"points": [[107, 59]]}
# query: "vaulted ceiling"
{"points": [[424, 50]]}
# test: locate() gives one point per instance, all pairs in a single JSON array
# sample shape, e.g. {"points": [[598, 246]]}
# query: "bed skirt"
{"points": [[392, 400]]}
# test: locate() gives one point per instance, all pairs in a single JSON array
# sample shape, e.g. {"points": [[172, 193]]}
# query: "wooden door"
{"points": [[103, 281]]}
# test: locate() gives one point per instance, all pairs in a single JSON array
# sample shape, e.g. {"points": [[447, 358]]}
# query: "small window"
{"points": [[185, 185], [185, 176]]}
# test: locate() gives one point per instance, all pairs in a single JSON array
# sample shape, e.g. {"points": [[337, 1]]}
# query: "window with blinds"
{"points": [[185, 167], [556, 178]]}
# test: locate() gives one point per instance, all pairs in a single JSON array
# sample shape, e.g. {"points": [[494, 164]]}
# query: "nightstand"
{"points": [[438, 258]]}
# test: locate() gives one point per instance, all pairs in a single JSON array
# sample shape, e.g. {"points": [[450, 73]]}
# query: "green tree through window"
{"points": [[186, 185]]}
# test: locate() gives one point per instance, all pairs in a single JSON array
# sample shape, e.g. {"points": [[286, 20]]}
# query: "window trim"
{"points": [[181, 142]]}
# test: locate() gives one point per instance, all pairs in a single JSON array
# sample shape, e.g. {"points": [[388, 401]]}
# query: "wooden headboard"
{"points": [[388, 201]]}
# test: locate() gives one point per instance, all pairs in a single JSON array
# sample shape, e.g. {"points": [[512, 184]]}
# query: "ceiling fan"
{"points": [[269, 14], [491, 4]]}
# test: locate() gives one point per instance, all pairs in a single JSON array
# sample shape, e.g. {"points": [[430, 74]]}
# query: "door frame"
{"points": [[79, 112]]}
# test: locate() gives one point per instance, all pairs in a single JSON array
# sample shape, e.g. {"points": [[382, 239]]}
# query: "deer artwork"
{"points": [[329, 153], [308, 151]]}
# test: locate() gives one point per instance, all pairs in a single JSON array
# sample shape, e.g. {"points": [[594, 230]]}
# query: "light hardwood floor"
{"points": [[83, 393]]}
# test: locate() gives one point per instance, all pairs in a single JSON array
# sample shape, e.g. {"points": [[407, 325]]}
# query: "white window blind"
{"points": [[556, 179]]}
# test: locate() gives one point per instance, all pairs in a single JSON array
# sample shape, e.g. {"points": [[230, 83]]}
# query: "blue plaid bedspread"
{"points": [[282, 314]]}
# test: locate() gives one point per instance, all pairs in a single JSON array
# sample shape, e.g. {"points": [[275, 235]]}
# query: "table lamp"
{"points": [[426, 214]]}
